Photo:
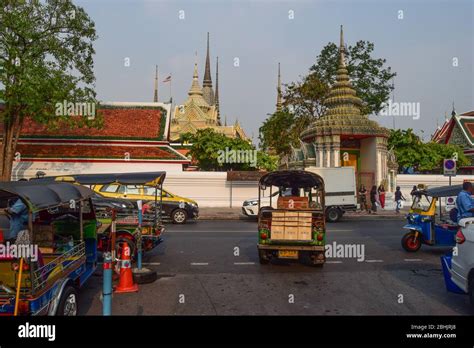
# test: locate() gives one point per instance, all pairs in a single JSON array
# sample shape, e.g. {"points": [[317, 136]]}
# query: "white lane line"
{"points": [[152, 263], [199, 263], [244, 263], [333, 261], [413, 260], [373, 260]]}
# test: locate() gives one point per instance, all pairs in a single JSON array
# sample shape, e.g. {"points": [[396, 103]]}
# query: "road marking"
{"points": [[373, 260], [333, 261], [199, 263], [413, 260], [152, 263], [244, 263]]}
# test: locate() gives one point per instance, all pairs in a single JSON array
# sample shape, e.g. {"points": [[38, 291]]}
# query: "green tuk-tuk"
{"points": [[296, 229]]}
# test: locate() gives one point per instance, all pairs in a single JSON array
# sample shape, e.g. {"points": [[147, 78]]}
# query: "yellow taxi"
{"points": [[178, 209]]}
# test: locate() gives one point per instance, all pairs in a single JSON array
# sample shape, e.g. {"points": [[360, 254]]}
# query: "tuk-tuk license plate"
{"points": [[288, 254]]}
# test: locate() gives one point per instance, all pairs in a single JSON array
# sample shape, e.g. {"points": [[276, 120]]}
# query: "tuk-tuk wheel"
{"points": [[410, 243], [262, 255], [68, 303]]}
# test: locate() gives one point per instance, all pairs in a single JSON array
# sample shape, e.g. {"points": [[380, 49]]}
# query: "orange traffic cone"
{"points": [[126, 277]]}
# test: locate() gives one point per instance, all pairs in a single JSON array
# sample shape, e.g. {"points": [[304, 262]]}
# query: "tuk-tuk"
{"points": [[58, 248], [295, 230], [148, 231], [423, 225]]}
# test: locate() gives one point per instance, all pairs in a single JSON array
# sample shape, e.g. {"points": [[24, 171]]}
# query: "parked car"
{"points": [[178, 209], [102, 203], [459, 267]]}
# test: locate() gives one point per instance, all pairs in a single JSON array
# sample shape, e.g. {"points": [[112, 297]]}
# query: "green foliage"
{"points": [[46, 57], [279, 132], [424, 157], [209, 150]]}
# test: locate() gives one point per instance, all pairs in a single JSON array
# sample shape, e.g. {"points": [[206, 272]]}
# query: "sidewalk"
{"points": [[221, 213]]}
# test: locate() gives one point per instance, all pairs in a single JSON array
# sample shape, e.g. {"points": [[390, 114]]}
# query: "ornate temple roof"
{"points": [[195, 92], [343, 115]]}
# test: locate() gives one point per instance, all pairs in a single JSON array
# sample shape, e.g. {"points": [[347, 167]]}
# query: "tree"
{"points": [[279, 132], [45, 59], [424, 157], [216, 152], [368, 76]]}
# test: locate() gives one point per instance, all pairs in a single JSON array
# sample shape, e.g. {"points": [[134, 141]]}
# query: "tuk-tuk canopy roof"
{"points": [[40, 195], [292, 178], [443, 191], [146, 178]]}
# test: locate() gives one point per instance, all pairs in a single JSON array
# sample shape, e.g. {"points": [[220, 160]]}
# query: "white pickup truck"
{"points": [[340, 188]]}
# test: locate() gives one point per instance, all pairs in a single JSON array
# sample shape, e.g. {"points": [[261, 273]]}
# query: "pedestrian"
{"points": [[398, 199], [413, 192], [373, 199], [363, 198], [381, 191]]}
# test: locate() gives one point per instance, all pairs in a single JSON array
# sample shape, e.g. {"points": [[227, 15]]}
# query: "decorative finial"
{"points": [[341, 48], [155, 97], [216, 96], [453, 112]]}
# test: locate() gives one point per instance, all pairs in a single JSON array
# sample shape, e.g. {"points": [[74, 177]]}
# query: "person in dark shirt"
{"points": [[398, 199], [373, 199], [363, 198]]}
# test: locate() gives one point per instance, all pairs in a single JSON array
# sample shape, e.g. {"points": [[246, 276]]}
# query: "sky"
{"points": [[428, 43]]}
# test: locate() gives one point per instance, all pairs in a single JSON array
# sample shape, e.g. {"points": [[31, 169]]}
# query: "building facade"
{"points": [[459, 130], [133, 138], [343, 136]]}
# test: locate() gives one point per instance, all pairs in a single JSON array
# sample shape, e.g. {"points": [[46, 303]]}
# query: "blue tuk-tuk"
{"points": [[58, 248], [423, 225]]}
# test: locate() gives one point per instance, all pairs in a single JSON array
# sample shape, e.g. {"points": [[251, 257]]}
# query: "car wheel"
{"points": [[410, 243], [333, 214], [68, 303], [179, 216]]}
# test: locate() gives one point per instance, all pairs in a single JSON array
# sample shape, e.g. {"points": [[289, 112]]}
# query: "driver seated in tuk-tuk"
{"points": [[464, 202], [17, 213]]}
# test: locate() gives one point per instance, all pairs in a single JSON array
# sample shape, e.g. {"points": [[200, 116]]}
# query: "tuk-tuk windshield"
{"points": [[422, 202]]}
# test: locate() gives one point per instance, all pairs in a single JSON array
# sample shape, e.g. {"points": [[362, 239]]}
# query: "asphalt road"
{"points": [[200, 273]]}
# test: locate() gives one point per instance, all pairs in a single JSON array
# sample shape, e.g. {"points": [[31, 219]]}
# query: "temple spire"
{"points": [[216, 97], [453, 112], [278, 104], [208, 92], [342, 62], [195, 87], [155, 97]]}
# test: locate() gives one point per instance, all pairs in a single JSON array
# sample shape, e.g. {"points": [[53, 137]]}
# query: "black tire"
{"points": [[145, 276], [179, 216], [333, 214], [263, 258], [312, 260], [409, 243], [68, 304]]}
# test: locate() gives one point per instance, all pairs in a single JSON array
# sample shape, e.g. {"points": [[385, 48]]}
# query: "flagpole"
{"points": [[171, 79]]}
